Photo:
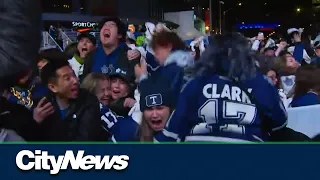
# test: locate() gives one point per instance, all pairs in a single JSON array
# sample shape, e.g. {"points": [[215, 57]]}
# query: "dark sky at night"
{"points": [[285, 12], [293, 13], [262, 11]]}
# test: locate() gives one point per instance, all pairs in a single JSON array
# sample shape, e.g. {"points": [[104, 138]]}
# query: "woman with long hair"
{"points": [[287, 67], [156, 104], [273, 75], [228, 100]]}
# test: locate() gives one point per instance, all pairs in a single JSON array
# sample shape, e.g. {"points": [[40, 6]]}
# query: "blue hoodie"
{"points": [[104, 63]]}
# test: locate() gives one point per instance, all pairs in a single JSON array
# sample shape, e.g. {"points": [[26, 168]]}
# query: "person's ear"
{"points": [[52, 87]]}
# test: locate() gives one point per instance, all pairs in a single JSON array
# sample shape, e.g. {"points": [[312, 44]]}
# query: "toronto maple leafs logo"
{"points": [[119, 71], [288, 81], [111, 68], [106, 70]]}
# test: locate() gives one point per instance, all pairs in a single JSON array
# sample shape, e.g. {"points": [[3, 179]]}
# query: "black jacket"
{"points": [[118, 107], [18, 118], [288, 135], [81, 123]]}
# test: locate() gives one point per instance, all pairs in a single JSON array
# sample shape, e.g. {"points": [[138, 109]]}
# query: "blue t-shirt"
{"points": [[63, 113]]}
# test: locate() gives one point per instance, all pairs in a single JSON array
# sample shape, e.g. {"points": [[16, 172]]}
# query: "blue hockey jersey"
{"points": [[152, 64], [215, 108], [121, 128], [28, 97], [306, 99]]}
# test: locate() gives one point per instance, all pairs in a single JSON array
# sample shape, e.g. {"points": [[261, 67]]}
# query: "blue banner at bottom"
{"points": [[159, 161]]}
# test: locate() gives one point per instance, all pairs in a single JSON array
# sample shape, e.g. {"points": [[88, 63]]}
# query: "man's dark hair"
{"points": [[88, 36], [269, 48], [122, 28], [47, 54], [49, 71]]}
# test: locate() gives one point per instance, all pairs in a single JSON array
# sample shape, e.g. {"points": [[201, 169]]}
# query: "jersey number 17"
{"points": [[241, 113]]}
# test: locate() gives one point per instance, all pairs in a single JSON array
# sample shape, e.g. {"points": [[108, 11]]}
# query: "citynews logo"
{"points": [[41, 160]]}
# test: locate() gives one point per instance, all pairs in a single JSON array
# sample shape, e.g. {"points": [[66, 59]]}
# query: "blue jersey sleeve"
{"points": [[152, 64], [270, 103], [121, 128], [178, 125], [126, 131], [177, 83], [307, 99], [298, 52], [109, 119]]}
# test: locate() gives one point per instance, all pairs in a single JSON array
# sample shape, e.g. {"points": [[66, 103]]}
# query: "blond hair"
{"points": [[145, 132], [90, 82]]}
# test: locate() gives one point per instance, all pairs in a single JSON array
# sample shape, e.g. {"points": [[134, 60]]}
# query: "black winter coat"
{"points": [[81, 123], [19, 119]]}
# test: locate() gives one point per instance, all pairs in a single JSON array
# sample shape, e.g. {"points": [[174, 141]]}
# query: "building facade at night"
{"points": [[199, 7], [94, 10]]}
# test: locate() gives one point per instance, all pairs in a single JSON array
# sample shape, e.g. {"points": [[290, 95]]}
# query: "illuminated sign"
{"points": [[84, 24], [258, 26]]}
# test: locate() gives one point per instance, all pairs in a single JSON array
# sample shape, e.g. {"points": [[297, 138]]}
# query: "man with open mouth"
{"points": [[67, 112], [113, 52]]}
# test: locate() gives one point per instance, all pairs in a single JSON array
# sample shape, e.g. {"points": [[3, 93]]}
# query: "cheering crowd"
{"points": [[233, 89]]}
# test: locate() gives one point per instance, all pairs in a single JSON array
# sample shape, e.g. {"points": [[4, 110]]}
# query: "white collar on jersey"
{"points": [[181, 58]]}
